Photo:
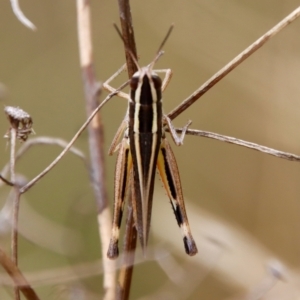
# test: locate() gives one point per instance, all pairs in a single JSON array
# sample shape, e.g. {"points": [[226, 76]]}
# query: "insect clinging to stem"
{"points": [[143, 149]]}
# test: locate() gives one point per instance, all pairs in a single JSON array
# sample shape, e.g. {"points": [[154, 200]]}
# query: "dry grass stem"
{"points": [[41, 140], [96, 142], [16, 204], [20, 128], [6, 181], [250, 145], [233, 64], [13, 138]]}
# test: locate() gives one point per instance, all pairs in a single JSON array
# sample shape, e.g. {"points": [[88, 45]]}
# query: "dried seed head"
{"points": [[20, 120]]}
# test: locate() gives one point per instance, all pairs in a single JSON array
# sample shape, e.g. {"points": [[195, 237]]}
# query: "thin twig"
{"points": [[16, 202], [41, 140], [19, 280], [78, 133], [46, 140], [13, 138], [15, 235], [233, 64], [6, 181], [96, 142], [129, 247], [20, 16], [233, 140]]}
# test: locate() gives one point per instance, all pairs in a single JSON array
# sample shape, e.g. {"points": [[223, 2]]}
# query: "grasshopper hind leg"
{"points": [[169, 174], [122, 173]]}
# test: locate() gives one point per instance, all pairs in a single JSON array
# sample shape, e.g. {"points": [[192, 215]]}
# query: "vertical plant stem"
{"points": [[96, 141], [126, 271], [16, 202], [14, 239], [128, 35], [124, 282], [13, 137]]}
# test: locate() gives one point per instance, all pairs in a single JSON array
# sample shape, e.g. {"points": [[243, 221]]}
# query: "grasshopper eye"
{"points": [[134, 81], [157, 82]]}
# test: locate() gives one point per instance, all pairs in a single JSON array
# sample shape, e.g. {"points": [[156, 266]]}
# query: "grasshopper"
{"points": [[143, 149]]}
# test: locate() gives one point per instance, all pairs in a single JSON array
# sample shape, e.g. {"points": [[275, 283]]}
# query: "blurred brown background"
{"points": [[256, 194]]}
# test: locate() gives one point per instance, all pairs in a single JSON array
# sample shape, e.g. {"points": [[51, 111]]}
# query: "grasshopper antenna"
{"points": [[159, 52], [126, 48]]}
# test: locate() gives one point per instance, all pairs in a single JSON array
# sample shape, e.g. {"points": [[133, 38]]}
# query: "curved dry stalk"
{"points": [[6, 181], [233, 64], [20, 15], [45, 140], [19, 280], [239, 142], [42, 140]]}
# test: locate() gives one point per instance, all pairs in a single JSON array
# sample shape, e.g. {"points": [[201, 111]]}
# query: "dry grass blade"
{"points": [[235, 141], [233, 64]]}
